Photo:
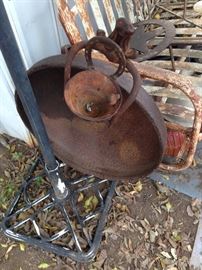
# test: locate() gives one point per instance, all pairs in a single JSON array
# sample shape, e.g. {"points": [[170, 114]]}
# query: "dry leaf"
{"points": [[4, 245], [166, 254], [7, 174], [168, 206], [138, 186], [81, 197], [9, 250], [162, 188], [189, 211], [91, 203], [166, 177], [43, 265], [100, 259], [173, 252], [152, 236], [189, 248], [22, 247], [12, 148]]}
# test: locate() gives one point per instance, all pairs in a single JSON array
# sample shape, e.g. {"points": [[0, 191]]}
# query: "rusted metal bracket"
{"points": [[133, 38], [183, 84]]}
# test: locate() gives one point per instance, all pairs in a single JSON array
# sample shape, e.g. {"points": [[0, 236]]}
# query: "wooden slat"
{"points": [[196, 81], [183, 53], [179, 40], [110, 13], [189, 31], [167, 15], [181, 21], [119, 8], [67, 18], [164, 92], [98, 15], [81, 6], [130, 9], [174, 6], [179, 65], [176, 110]]}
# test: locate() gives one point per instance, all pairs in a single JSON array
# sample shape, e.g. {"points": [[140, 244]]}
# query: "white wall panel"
{"points": [[35, 29]]}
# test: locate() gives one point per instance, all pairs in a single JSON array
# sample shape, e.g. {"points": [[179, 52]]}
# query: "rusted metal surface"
{"points": [[91, 94], [123, 149], [133, 39], [176, 140], [82, 8], [67, 19], [122, 34], [110, 13], [141, 38], [93, 87], [186, 87]]}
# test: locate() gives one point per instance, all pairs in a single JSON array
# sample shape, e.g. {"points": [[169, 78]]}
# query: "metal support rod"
{"points": [[172, 57], [11, 54], [179, 16], [185, 9]]}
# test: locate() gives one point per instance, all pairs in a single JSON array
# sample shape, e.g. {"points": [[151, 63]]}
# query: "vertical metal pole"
{"points": [[185, 9], [10, 51]]}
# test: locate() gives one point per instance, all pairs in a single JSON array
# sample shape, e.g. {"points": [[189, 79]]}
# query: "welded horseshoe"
{"points": [[86, 91], [140, 38], [108, 47]]}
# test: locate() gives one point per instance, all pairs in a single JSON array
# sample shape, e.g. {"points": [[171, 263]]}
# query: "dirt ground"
{"points": [[148, 227]]}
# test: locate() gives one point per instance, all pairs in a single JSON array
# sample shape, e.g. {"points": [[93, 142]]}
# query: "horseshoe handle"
{"points": [[108, 47], [89, 46]]}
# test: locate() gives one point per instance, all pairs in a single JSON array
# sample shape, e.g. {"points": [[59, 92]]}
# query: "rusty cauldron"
{"points": [[95, 122]]}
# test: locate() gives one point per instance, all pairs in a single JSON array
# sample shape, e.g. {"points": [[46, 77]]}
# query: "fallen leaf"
{"points": [[80, 197], [168, 206], [4, 245], [91, 203], [22, 247], [9, 250], [162, 188], [100, 259], [12, 148], [157, 16], [7, 174], [138, 186], [43, 265], [166, 177], [152, 236], [166, 254], [189, 211], [189, 248], [173, 252]]}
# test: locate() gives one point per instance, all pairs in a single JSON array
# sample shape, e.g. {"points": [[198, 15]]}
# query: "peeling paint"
{"points": [[110, 13], [67, 19], [81, 6], [98, 15]]}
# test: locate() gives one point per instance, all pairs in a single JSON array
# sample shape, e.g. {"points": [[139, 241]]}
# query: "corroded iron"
{"points": [[147, 31], [91, 94], [128, 147], [193, 134], [134, 38]]}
